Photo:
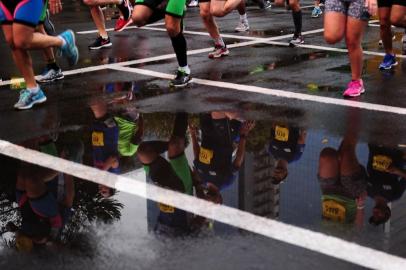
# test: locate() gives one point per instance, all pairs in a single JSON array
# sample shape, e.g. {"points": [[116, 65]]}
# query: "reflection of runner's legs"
{"points": [[243, 25]]}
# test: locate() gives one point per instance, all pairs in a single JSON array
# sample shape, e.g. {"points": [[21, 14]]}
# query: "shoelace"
{"points": [[24, 94]]}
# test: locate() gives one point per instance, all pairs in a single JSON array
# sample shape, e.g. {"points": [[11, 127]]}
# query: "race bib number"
{"points": [[97, 138], [166, 208], [334, 211], [381, 163], [205, 155], [281, 134]]}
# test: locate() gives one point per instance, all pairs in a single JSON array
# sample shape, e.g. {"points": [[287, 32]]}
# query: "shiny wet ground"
{"points": [[121, 232]]}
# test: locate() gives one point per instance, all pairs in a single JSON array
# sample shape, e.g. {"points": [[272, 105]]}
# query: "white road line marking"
{"points": [[304, 238], [274, 92], [169, 56], [112, 29]]}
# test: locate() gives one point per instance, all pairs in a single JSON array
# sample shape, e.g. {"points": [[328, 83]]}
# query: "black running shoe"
{"points": [[126, 9], [182, 79], [100, 43]]}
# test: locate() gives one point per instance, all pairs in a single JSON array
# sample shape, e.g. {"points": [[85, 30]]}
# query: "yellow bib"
{"points": [[281, 134], [381, 163], [97, 138], [166, 208], [334, 211], [205, 155]]}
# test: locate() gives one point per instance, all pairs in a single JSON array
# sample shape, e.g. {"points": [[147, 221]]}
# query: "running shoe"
{"points": [[100, 43], [69, 49], [28, 99], [182, 79], [218, 52], [193, 3], [267, 4], [354, 89], [316, 12], [50, 75], [122, 24], [380, 42], [296, 40], [242, 26], [48, 25], [389, 61], [126, 9]]}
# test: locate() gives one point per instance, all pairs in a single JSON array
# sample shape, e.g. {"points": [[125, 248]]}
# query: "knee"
{"points": [[353, 44], [331, 38], [21, 42], [385, 22], [176, 146], [218, 12], [205, 15], [173, 30], [328, 155], [146, 154], [139, 21], [397, 20], [88, 2]]}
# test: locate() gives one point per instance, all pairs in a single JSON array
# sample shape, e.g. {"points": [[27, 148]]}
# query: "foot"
{"points": [[354, 89], [267, 4], [193, 3], [28, 99], [50, 75], [219, 51], [389, 61], [69, 49], [122, 24], [100, 43], [296, 40], [316, 12], [182, 79], [242, 26], [126, 9]]}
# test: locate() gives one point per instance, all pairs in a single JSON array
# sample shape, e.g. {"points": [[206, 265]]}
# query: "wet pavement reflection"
{"points": [[287, 170]]}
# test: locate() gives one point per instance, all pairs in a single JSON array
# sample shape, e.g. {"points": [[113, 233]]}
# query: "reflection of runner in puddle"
{"points": [[386, 181], [343, 179], [174, 174], [113, 137], [45, 198], [213, 158], [286, 145]]}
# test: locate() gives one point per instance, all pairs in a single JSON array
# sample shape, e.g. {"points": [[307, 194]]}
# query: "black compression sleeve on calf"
{"points": [[180, 48], [297, 20], [180, 126]]}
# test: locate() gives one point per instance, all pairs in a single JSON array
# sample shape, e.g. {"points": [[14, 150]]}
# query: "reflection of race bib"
{"points": [[97, 138], [381, 163], [166, 208], [205, 155], [281, 134], [334, 211]]}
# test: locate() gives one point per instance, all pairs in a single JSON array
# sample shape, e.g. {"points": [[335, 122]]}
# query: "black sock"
{"points": [[297, 20], [53, 65], [180, 48], [180, 126]]}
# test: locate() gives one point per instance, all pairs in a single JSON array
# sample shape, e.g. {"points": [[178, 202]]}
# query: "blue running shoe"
{"points": [[316, 12], [389, 61], [69, 50], [28, 99]]}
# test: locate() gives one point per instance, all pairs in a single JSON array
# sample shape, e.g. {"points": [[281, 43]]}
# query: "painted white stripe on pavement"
{"points": [[112, 29], [307, 239], [274, 92]]}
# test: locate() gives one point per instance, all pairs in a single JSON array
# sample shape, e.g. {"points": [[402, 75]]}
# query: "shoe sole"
{"points": [[39, 101], [53, 80], [101, 47], [219, 56], [124, 27], [182, 85], [388, 68], [241, 31], [356, 95]]}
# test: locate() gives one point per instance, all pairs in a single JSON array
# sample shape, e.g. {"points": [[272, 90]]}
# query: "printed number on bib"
{"points": [[281, 134], [381, 163], [97, 138], [205, 155], [334, 211], [166, 208]]}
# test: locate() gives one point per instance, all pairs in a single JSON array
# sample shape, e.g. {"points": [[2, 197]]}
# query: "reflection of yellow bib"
{"points": [[381, 163], [97, 138], [166, 208], [281, 134], [334, 211], [205, 155]]}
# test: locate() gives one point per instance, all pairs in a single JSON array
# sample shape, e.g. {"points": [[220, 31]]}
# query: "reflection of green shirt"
{"points": [[126, 132], [348, 204]]}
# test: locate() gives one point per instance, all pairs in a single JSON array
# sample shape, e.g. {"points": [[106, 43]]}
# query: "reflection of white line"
{"points": [[274, 92], [112, 29], [169, 56], [310, 240]]}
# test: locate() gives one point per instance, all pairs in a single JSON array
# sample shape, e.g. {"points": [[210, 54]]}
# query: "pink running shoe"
{"points": [[354, 89]]}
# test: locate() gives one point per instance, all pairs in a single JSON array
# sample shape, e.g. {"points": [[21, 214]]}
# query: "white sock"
{"points": [[185, 69], [34, 90], [104, 37], [244, 18], [63, 41]]}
